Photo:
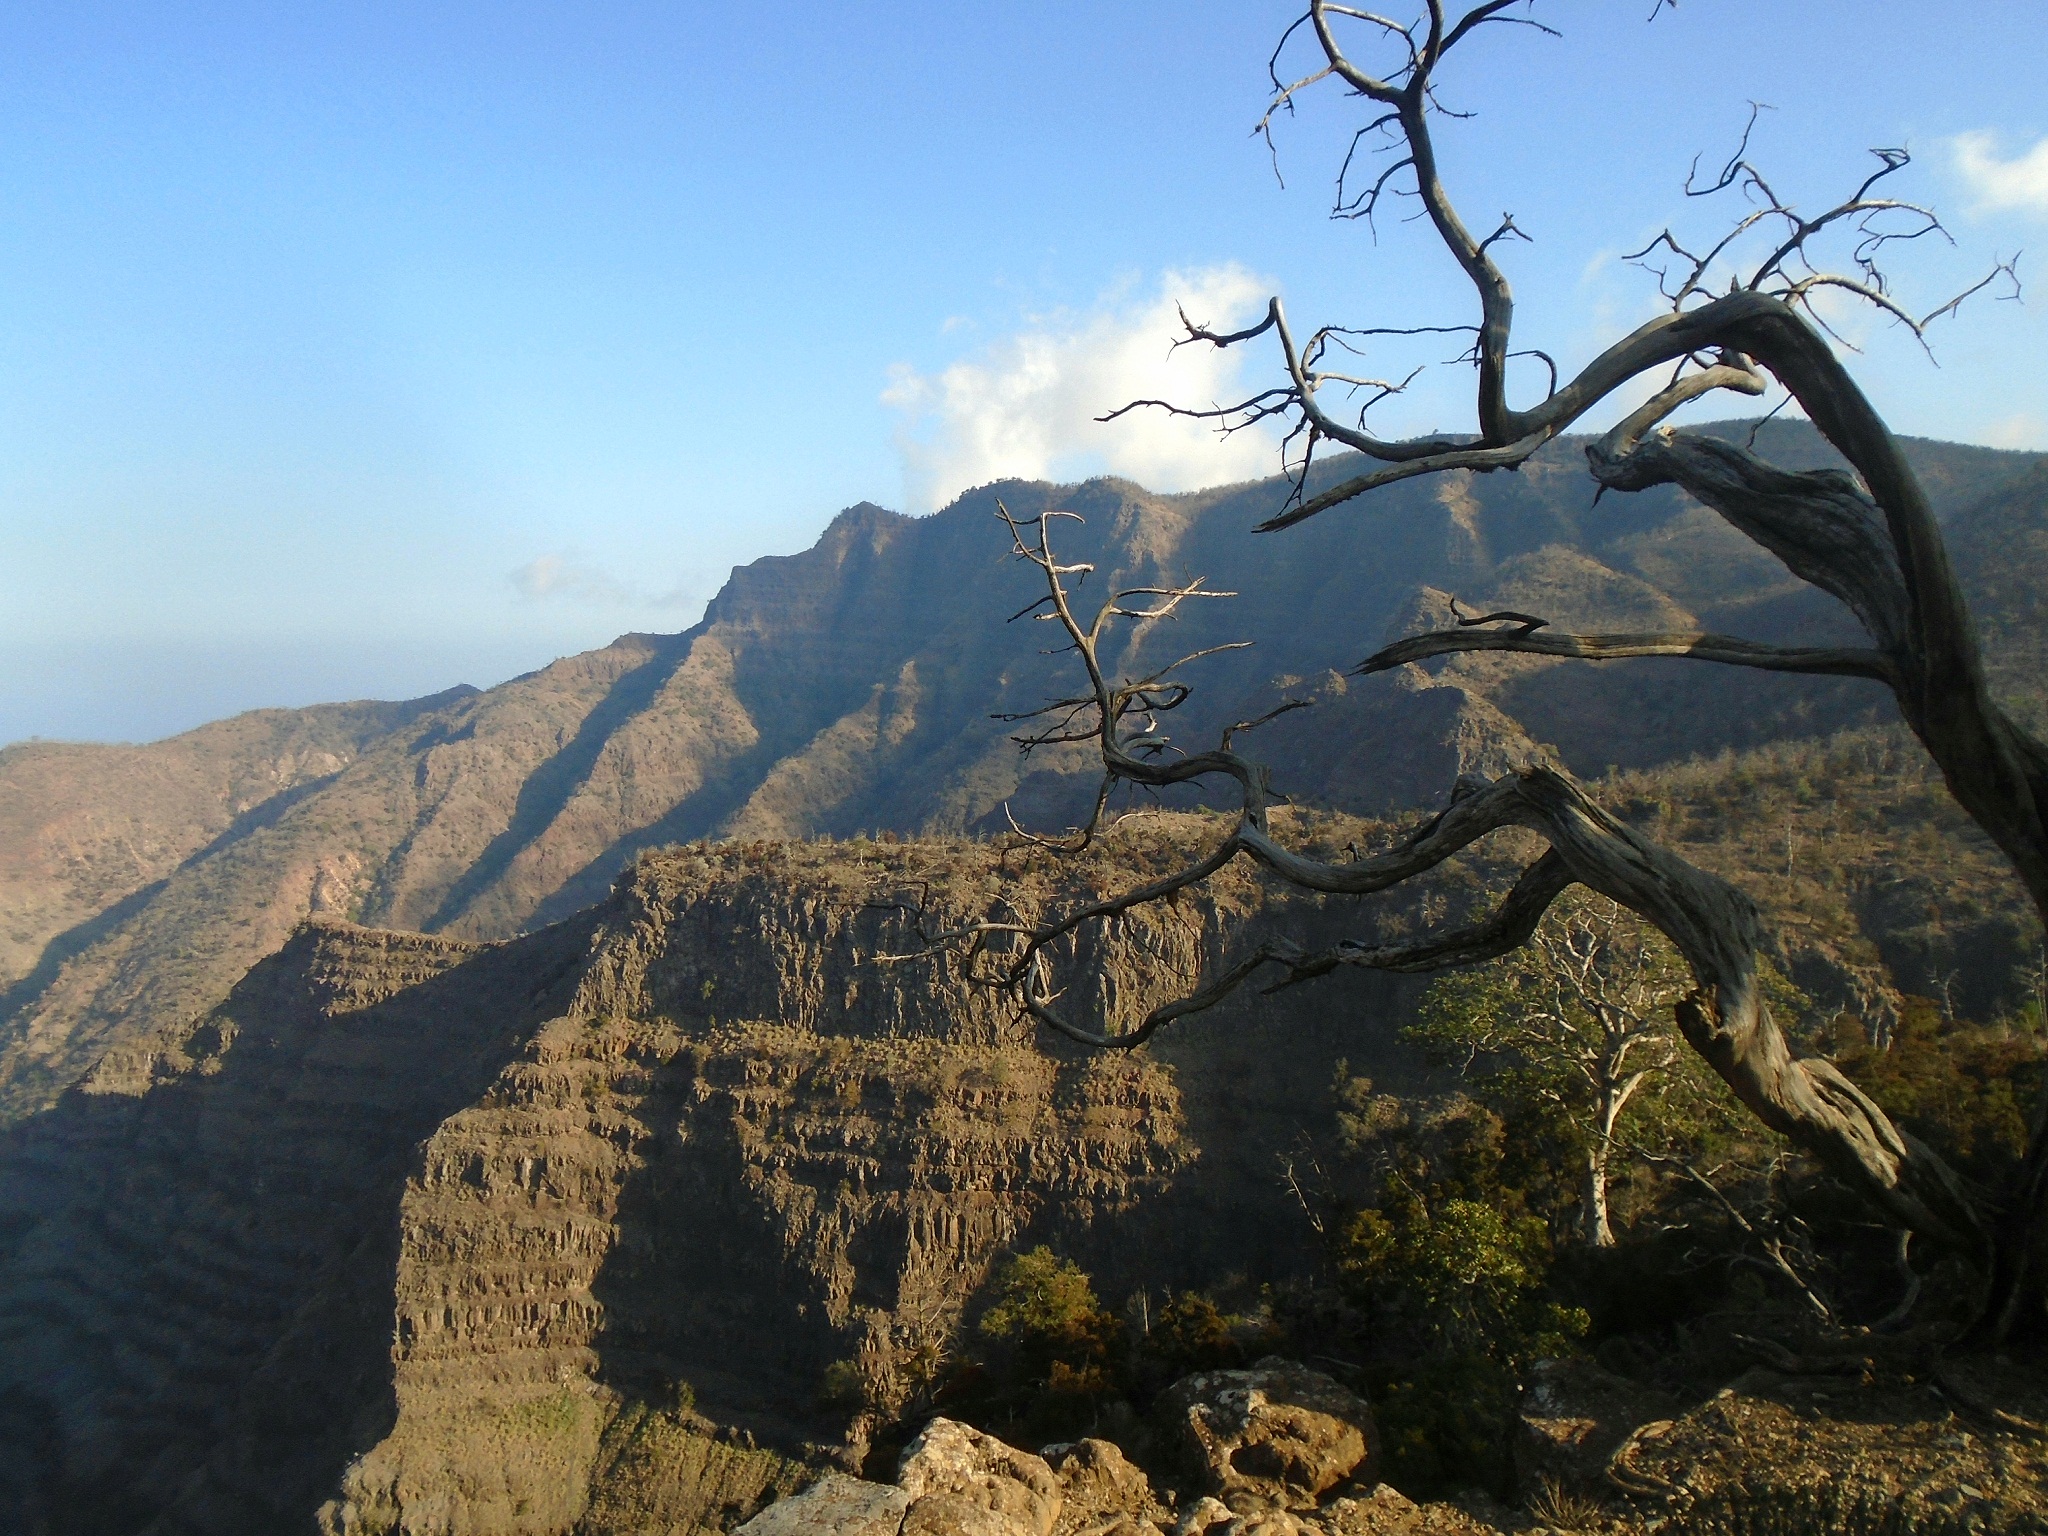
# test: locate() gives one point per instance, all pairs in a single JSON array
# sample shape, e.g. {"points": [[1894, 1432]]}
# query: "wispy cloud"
{"points": [[1025, 406], [2022, 429], [567, 577], [1997, 182]]}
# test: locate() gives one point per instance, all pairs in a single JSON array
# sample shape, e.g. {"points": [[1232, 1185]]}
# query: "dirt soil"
{"points": [[1961, 1448]]}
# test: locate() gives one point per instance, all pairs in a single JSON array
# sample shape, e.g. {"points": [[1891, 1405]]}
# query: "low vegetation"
{"points": [[1521, 1214]]}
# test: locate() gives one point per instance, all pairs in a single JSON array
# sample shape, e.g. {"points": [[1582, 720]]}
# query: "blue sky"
{"points": [[359, 350]]}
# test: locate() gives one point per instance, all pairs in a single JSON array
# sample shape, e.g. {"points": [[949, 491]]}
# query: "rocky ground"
{"points": [[1281, 1450]]}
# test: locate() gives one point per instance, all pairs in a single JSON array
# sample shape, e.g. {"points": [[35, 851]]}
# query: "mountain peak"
{"points": [[850, 687]]}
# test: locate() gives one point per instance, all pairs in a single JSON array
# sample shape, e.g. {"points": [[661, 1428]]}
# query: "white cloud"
{"points": [[1026, 405], [2022, 429], [566, 577], [2020, 182]]}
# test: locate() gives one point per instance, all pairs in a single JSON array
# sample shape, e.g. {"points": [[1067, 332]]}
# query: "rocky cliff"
{"points": [[460, 1238], [198, 1243], [851, 686], [563, 1234]]}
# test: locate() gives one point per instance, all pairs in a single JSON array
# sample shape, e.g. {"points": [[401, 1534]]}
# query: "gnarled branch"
{"points": [[1715, 928], [1739, 319], [1824, 661]]}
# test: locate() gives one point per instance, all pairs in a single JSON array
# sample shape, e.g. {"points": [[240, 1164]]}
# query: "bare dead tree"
{"points": [[1742, 314]]}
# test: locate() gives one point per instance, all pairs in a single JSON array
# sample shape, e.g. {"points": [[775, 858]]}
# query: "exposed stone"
{"points": [[1278, 1431], [1204, 1515], [1573, 1418], [1385, 1511], [962, 1482], [1098, 1483], [1270, 1522], [835, 1505], [1212, 1517]]}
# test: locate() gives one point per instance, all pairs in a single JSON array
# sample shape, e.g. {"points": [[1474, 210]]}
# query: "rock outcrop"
{"points": [[1276, 1436], [954, 1480], [565, 1232], [835, 1505], [851, 687], [1102, 1492], [195, 1280], [962, 1482]]}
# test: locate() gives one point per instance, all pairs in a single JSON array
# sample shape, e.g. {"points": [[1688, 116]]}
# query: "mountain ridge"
{"points": [[850, 686]]}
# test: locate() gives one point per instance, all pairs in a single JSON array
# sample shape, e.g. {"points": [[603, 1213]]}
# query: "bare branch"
{"points": [[1742, 314], [1696, 646]]}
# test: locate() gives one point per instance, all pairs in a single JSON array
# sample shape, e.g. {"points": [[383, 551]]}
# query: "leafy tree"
{"points": [[1191, 1333], [1967, 1089], [1046, 1352], [1578, 1024], [1576, 1032], [1451, 1266]]}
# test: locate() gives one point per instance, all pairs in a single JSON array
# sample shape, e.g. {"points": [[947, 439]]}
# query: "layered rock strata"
{"points": [[195, 1279], [860, 684], [562, 1234]]}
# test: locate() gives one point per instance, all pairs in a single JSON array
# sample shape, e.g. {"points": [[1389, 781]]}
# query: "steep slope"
{"points": [[851, 686], [197, 1244], [395, 830], [563, 1233], [2001, 550], [84, 828], [448, 1216]]}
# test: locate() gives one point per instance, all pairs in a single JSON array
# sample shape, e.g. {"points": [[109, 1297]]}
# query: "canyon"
{"points": [[499, 1112]]}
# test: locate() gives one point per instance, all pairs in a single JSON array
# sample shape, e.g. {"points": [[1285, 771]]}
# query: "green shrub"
{"points": [[1046, 1355], [1963, 1088], [1449, 1271], [843, 1385], [1191, 1333]]}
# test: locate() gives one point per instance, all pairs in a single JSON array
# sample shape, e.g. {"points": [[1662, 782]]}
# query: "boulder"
{"points": [[1210, 1517], [1574, 1417], [962, 1482], [1101, 1491], [1278, 1432], [1203, 1516], [1385, 1511], [835, 1505]]}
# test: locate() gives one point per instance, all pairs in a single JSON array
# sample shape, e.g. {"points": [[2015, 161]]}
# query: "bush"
{"points": [[1191, 1333], [843, 1385], [1962, 1088], [1046, 1354], [1449, 1271]]}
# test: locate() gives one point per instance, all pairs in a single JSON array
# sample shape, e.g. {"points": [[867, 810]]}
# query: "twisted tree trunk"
{"points": [[1876, 547]]}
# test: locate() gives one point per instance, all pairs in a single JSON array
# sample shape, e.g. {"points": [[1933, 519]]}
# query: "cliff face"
{"points": [[561, 1234], [753, 1149], [489, 1239], [851, 686], [198, 1241]]}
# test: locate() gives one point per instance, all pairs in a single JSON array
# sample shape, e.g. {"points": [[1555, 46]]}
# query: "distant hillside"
{"points": [[87, 832], [851, 687]]}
